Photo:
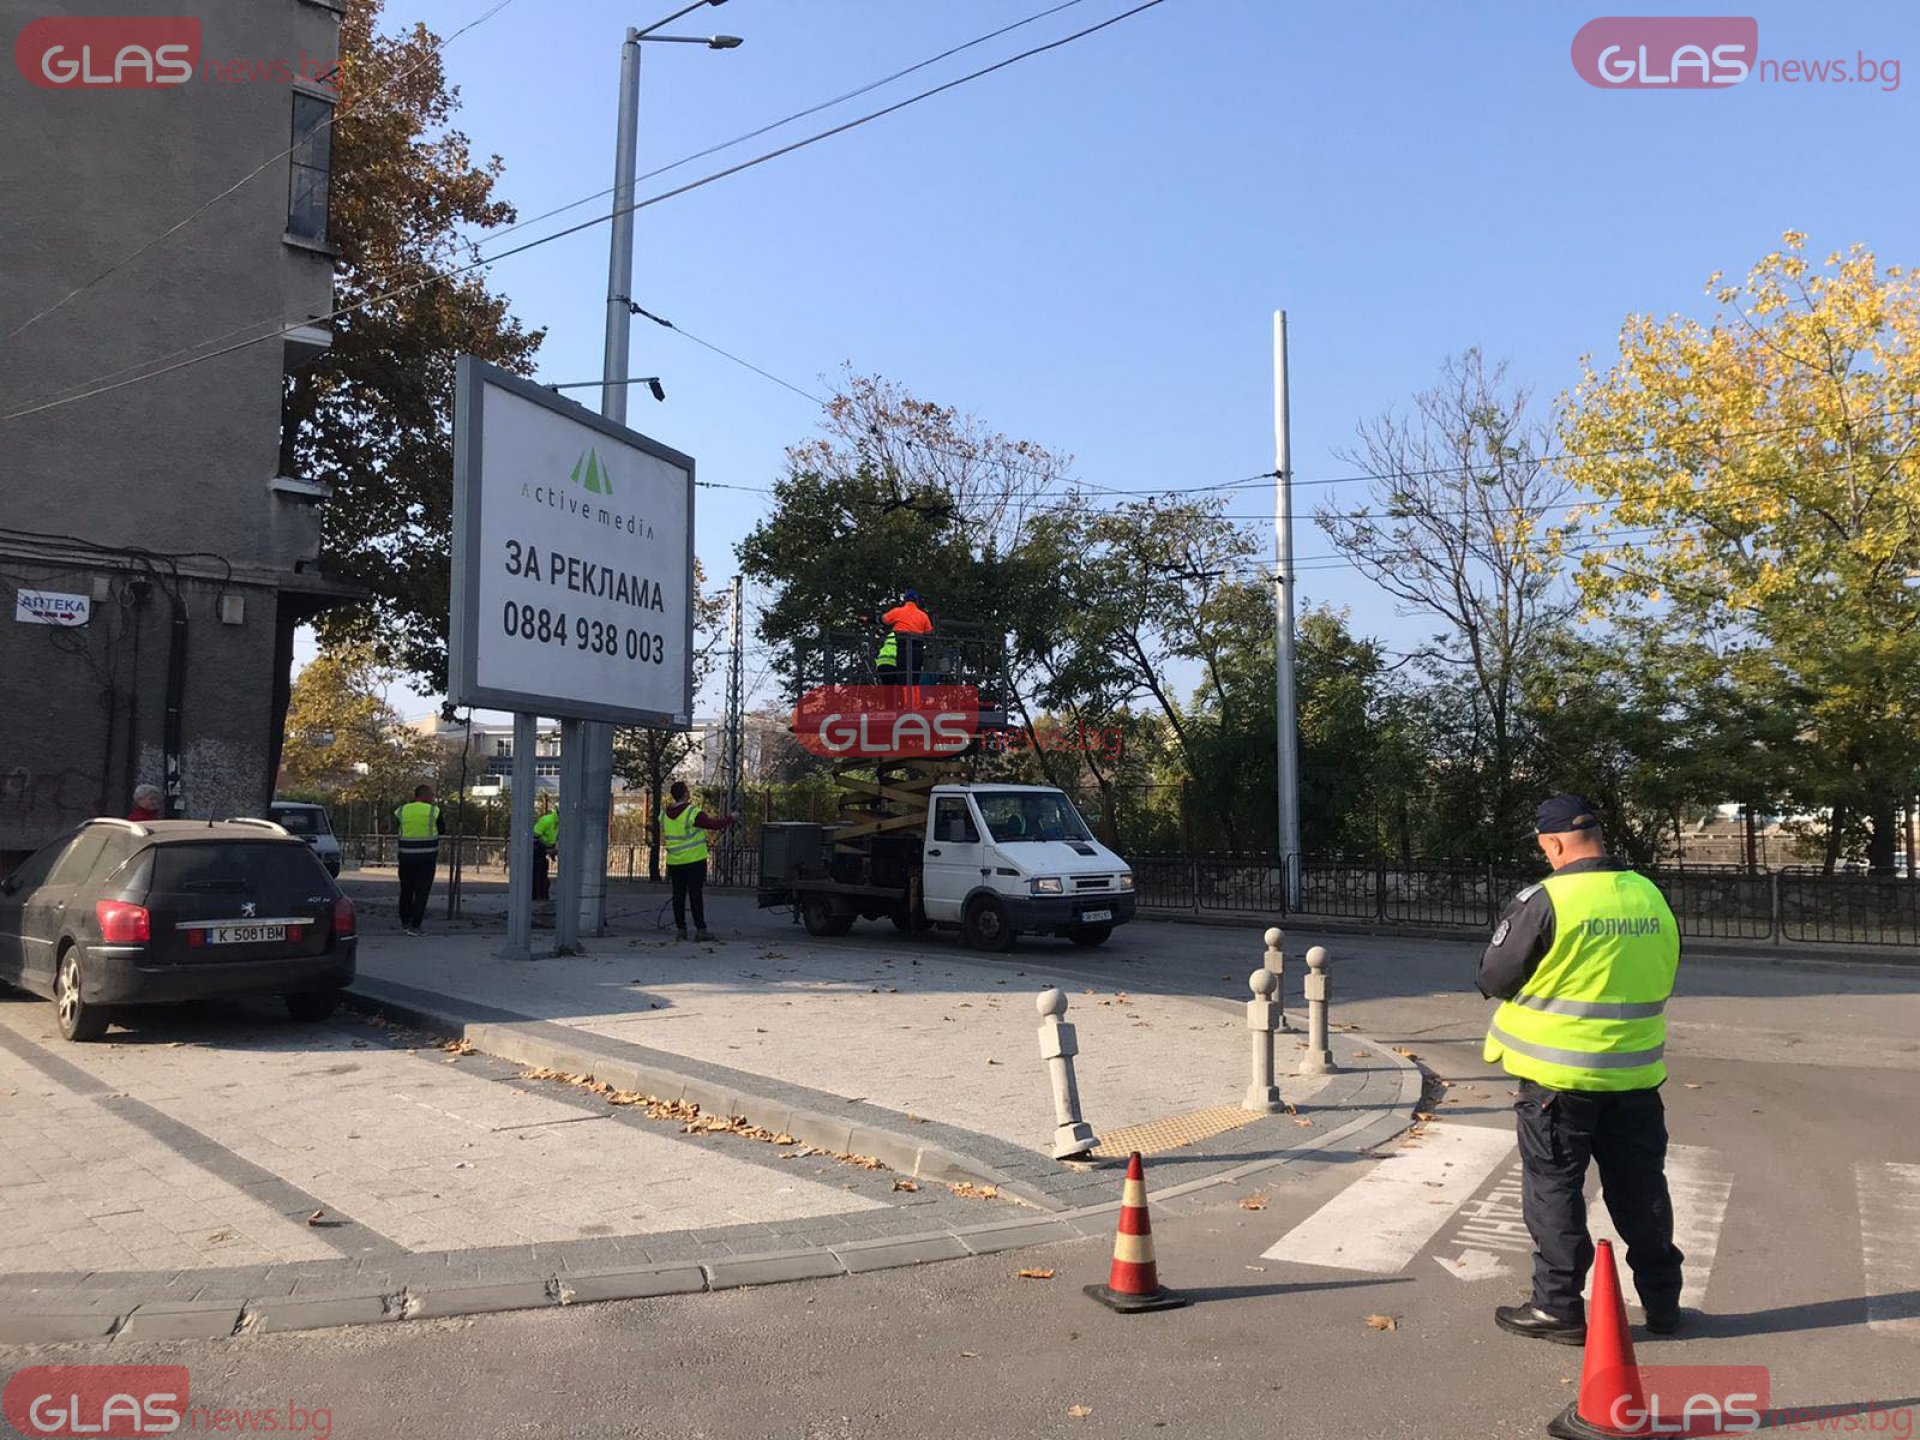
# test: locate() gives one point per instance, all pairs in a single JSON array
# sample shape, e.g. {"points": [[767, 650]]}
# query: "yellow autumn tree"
{"points": [[1760, 505]]}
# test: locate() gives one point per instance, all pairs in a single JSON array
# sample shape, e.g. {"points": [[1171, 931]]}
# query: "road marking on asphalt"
{"points": [[1700, 1184], [1890, 1244], [1387, 1216]]}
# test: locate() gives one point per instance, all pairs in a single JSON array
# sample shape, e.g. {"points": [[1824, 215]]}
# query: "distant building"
{"points": [[155, 554], [492, 753]]}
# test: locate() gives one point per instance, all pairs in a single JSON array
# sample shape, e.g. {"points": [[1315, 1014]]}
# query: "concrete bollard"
{"points": [[1276, 961], [1262, 1013], [1072, 1136], [1319, 1058]]}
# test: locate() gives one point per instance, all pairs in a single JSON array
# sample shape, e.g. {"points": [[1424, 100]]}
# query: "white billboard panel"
{"points": [[572, 559]]}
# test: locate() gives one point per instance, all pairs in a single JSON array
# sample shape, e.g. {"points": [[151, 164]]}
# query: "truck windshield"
{"points": [[1030, 815]]}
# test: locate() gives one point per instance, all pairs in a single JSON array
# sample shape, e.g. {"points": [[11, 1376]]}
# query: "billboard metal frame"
{"points": [[472, 378]]}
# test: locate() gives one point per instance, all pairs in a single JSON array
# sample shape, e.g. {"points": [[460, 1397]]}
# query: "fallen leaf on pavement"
{"points": [[220, 1237], [316, 1217], [1036, 1274], [462, 1046], [1359, 1055], [1304, 1123], [1383, 1322], [967, 1190], [1692, 1086], [1402, 1050], [1079, 1412], [1253, 1202], [1423, 1115], [907, 1185], [992, 1061], [969, 1354]]}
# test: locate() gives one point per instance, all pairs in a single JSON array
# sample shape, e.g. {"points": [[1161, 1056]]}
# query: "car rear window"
{"points": [[235, 865]]}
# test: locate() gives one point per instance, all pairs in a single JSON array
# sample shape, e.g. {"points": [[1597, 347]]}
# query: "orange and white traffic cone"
{"points": [[1134, 1282], [1612, 1400]]}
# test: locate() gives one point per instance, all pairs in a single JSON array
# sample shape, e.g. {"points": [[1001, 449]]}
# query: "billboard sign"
{"points": [[572, 559]]}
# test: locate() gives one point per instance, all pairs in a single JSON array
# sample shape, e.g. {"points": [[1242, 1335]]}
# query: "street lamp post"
{"points": [[582, 902]]}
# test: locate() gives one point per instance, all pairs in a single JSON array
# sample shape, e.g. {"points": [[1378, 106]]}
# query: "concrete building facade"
{"points": [[167, 262]]}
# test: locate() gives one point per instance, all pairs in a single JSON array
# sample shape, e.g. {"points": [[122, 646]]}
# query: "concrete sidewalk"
{"points": [[904, 1115]]}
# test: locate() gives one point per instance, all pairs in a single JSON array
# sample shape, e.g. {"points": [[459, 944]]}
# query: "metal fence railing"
{"points": [[1722, 902]]}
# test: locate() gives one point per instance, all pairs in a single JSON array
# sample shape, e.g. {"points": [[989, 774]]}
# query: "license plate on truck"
{"points": [[1087, 916], [245, 934]]}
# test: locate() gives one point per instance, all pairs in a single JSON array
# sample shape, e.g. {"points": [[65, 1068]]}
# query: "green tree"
{"points": [[344, 741], [1763, 507], [373, 417]]}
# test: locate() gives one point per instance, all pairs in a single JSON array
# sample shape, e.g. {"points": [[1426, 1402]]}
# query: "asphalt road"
{"points": [[1791, 1104]]}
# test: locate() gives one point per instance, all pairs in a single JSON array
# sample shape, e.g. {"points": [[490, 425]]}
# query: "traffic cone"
{"points": [[1612, 1400], [1134, 1282]]}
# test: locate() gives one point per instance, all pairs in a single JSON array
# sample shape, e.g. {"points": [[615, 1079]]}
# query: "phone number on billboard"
{"points": [[596, 637]]}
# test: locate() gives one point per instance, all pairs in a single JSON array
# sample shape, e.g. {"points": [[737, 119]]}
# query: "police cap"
{"points": [[1564, 813]]}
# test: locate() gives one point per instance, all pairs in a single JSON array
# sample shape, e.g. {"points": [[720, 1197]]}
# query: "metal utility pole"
{"points": [[1287, 735], [730, 839], [586, 828]]}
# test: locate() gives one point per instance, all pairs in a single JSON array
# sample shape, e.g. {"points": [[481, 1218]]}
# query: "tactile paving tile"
{"points": [[1158, 1136]]}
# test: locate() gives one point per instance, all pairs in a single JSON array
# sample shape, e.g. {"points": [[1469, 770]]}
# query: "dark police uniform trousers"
{"points": [[1625, 1131]]}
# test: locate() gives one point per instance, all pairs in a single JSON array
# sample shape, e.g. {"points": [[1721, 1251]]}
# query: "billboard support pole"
{"points": [[520, 843]]}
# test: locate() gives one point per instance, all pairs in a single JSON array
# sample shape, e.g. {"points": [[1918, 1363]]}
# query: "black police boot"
{"points": [[1536, 1324]]}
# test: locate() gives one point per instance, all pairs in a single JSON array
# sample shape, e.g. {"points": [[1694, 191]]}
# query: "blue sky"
{"points": [[1085, 249]]}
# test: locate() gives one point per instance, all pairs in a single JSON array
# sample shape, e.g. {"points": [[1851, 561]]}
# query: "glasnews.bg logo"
{"points": [[905, 722], [590, 473], [109, 52], [1670, 52], [102, 1402]]}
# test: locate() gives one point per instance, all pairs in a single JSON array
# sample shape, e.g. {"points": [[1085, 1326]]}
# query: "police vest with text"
{"points": [[1593, 1016], [419, 828], [686, 841]]}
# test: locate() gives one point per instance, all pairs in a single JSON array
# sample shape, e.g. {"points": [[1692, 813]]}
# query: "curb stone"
{"points": [[177, 1320]]}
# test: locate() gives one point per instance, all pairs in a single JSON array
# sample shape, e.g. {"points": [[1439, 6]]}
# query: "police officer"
{"points": [[421, 826], [1583, 963]]}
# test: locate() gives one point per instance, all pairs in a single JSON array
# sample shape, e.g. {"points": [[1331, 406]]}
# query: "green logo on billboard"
{"points": [[590, 472]]}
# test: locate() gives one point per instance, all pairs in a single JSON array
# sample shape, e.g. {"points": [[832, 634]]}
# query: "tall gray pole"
{"points": [[596, 738], [1285, 726]]}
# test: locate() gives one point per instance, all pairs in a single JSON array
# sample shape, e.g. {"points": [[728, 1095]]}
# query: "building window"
{"points": [[548, 772], [312, 167], [503, 747]]}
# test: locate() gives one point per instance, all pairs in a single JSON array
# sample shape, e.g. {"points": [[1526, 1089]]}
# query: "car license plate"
{"points": [[1087, 915], [244, 934]]}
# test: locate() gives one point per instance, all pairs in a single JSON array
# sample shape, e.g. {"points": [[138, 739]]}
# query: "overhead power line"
{"points": [[786, 120], [239, 184], [91, 390]]}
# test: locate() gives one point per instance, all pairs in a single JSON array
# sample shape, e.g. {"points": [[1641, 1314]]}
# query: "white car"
{"points": [[309, 823]]}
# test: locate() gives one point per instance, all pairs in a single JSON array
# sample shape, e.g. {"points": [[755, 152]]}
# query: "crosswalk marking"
{"points": [[1890, 1244], [1387, 1216], [1700, 1186]]}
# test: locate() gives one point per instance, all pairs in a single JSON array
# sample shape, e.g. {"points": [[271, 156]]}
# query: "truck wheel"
{"points": [[987, 926], [1088, 936], [818, 914]]}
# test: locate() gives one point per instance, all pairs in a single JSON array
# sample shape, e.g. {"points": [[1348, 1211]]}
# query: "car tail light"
{"points": [[294, 932], [123, 924], [342, 916]]}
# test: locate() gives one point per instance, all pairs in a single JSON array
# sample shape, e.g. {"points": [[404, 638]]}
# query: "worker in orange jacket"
{"points": [[906, 618]]}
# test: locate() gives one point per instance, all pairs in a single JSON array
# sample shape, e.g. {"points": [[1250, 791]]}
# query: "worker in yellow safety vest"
{"points": [[684, 828], [421, 826], [546, 843], [1583, 963]]}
